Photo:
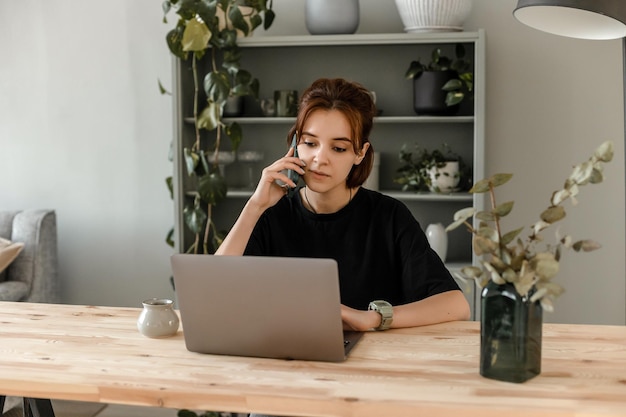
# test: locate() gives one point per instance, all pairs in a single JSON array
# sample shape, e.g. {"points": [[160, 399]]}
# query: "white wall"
{"points": [[84, 130]]}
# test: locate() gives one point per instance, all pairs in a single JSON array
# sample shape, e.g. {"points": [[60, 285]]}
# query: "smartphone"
{"points": [[291, 174]]}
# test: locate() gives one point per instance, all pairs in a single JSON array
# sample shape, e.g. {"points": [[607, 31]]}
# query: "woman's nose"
{"points": [[321, 155]]}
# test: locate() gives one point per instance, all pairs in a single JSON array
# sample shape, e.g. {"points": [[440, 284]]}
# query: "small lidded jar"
{"points": [[158, 318]]}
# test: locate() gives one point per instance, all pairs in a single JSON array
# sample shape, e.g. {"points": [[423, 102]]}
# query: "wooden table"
{"points": [[96, 354]]}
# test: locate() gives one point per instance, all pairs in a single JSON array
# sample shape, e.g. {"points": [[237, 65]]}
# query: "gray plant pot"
{"points": [[329, 17]]}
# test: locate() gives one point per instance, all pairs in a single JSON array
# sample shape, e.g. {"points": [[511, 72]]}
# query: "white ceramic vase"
{"points": [[433, 15], [438, 239]]}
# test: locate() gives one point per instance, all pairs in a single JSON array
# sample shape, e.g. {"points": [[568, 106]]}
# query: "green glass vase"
{"points": [[510, 334]]}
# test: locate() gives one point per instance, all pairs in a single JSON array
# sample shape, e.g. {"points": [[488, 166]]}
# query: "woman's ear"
{"points": [[361, 155]]}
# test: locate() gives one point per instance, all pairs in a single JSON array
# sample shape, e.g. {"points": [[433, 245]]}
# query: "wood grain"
{"points": [[88, 353]]}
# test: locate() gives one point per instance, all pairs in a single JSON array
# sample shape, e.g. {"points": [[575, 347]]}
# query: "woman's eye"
{"points": [[309, 143], [340, 149]]}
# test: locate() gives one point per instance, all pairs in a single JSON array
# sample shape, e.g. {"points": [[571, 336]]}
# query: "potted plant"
{"points": [[441, 85], [212, 27], [516, 275], [439, 170]]}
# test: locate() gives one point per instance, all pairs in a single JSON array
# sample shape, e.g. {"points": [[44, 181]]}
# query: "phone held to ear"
{"points": [[291, 174]]}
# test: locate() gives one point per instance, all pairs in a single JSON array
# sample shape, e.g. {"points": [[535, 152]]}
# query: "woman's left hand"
{"points": [[359, 320]]}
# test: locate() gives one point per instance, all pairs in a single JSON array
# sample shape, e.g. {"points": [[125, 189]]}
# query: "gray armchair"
{"points": [[33, 275]]}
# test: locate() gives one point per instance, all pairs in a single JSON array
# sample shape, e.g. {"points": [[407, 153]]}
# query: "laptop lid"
{"points": [[270, 307]]}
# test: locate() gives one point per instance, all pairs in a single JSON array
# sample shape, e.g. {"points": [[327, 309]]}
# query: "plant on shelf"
{"points": [[424, 170], [509, 259], [212, 27], [443, 78]]}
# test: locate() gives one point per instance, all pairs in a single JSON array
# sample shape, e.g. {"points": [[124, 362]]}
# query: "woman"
{"points": [[381, 250]]}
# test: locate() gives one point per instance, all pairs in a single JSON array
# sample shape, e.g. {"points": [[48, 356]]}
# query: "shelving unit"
{"points": [[378, 61]]}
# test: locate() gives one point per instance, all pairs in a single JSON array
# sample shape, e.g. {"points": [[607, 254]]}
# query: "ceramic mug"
{"points": [[286, 103]]}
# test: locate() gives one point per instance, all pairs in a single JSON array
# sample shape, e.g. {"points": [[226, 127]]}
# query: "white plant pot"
{"points": [[445, 179], [433, 15]]}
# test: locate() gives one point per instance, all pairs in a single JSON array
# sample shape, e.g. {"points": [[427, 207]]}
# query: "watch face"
{"points": [[386, 313]]}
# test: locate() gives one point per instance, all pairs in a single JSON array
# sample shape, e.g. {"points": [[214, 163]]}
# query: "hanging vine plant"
{"points": [[212, 27]]}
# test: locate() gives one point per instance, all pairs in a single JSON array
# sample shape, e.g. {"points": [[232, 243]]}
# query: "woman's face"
{"points": [[326, 147]]}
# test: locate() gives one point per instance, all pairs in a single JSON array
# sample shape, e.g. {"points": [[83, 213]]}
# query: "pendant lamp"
{"points": [[583, 19]]}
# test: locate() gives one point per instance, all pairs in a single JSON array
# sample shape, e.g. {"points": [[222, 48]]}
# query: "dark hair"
{"points": [[355, 102]]}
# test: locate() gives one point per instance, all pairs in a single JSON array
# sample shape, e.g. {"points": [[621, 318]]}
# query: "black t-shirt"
{"points": [[380, 248]]}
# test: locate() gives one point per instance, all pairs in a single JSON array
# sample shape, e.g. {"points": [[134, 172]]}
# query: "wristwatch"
{"points": [[386, 313]]}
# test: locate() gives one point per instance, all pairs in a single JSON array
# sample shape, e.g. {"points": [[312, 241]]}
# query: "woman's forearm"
{"points": [[438, 308]]}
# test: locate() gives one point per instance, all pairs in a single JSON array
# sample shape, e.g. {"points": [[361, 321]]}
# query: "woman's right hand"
{"points": [[269, 190]]}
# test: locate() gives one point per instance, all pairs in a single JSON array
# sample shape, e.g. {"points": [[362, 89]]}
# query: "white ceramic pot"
{"points": [[158, 318], [433, 15], [444, 179]]}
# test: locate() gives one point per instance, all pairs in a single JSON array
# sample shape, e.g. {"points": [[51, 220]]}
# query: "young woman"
{"points": [[389, 276]]}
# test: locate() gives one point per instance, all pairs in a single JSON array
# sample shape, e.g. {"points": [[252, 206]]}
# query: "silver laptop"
{"points": [[287, 308]]}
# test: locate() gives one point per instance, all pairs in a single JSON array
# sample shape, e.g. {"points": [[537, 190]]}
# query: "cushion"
{"points": [[8, 252]]}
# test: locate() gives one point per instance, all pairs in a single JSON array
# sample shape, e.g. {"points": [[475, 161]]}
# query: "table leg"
{"points": [[37, 407]]}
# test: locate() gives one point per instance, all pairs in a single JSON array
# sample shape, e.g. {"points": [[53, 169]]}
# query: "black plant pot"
{"points": [[510, 334], [428, 96]]}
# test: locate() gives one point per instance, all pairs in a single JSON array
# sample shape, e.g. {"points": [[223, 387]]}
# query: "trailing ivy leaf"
{"points": [[237, 20], [217, 86], [162, 89], [212, 188], [194, 217], [269, 19], [191, 161], [169, 239], [170, 186], [196, 36], [235, 134], [174, 42], [209, 117]]}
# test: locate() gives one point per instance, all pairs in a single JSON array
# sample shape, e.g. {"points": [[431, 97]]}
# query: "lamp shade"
{"points": [[584, 19]]}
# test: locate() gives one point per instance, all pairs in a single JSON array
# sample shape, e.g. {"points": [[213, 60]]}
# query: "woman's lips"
{"points": [[318, 174]]}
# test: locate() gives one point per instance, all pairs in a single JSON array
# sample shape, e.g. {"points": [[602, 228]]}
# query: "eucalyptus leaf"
{"points": [[503, 209], [586, 245], [553, 214], [510, 236], [604, 152], [500, 179], [481, 186]]}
